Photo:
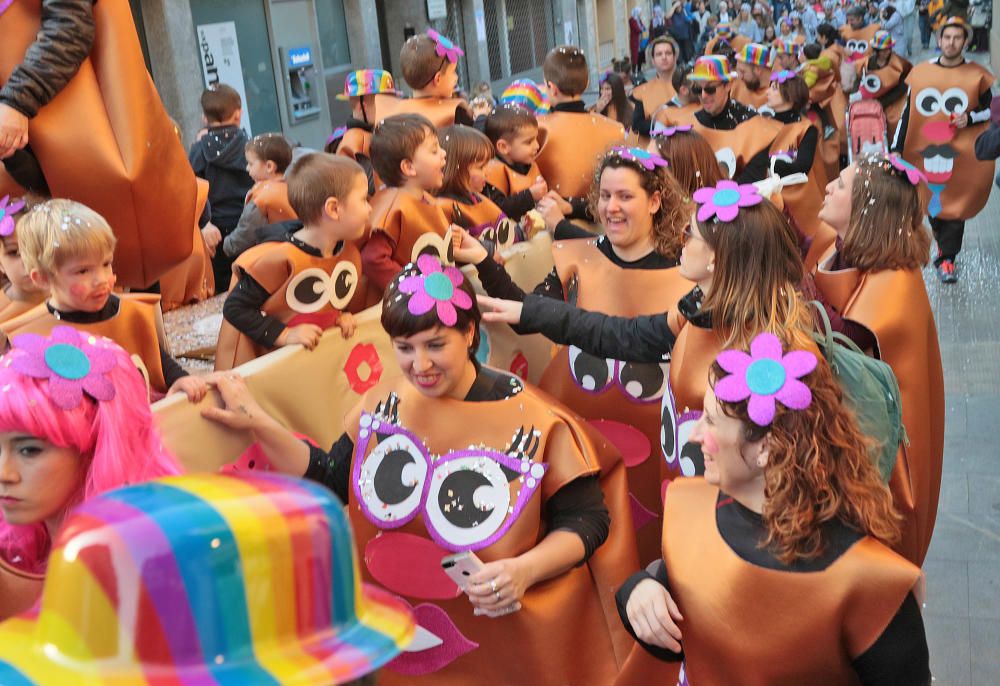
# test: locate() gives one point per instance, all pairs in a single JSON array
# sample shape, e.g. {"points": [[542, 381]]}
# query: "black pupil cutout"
{"points": [[455, 499], [309, 290], [388, 481]]}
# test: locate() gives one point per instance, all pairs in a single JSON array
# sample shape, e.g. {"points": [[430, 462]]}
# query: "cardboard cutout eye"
{"points": [[668, 431], [727, 161], [433, 244], [928, 101], [506, 234], [643, 382], [691, 458], [954, 101], [343, 283], [308, 291], [470, 501], [593, 374], [394, 474], [872, 83]]}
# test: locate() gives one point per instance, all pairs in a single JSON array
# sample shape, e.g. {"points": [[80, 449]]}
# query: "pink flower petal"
{"points": [[732, 388], [65, 393], [703, 195], [798, 363], [67, 334], [411, 284], [706, 211], [760, 408], [446, 313], [102, 360], [461, 299], [734, 361], [31, 342], [794, 395], [766, 346], [31, 365], [727, 184], [420, 303], [428, 264], [727, 213], [454, 275], [6, 226], [98, 387]]}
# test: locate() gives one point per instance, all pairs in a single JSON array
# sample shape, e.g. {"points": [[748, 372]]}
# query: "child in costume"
{"points": [[871, 280], [268, 156], [430, 68], [289, 291], [575, 138], [525, 498], [882, 77], [354, 139], [631, 270], [406, 219], [67, 249], [20, 293], [74, 422], [785, 540], [219, 158], [461, 196], [272, 595], [513, 179]]}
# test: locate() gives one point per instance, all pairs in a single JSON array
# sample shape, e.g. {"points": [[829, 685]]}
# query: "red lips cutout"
{"points": [[630, 442], [454, 645], [409, 565]]}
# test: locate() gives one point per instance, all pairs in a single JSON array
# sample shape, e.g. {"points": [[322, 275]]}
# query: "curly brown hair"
{"points": [[819, 469], [675, 207]]}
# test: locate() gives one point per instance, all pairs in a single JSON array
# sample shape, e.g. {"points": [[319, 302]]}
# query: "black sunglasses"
{"points": [[709, 90]]}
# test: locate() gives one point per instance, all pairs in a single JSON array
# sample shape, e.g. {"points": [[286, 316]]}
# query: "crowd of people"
{"points": [[727, 471]]}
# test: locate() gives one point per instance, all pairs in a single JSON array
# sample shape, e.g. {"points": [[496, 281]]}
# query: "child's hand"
{"points": [[307, 335], [239, 408], [212, 237], [550, 211], [194, 387], [560, 202], [347, 324], [466, 248], [538, 189]]}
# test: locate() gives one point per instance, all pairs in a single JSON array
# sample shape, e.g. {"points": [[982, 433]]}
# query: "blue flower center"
{"points": [[67, 361], [726, 197], [765, 377], [439, 286]]}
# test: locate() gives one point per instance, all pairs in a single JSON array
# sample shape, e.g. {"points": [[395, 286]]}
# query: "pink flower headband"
{"points": [[445, 47], [725, 200], [435, 286], [913, 175], [7, 212], [660, 130], [72, 363], [782, 76], [644, 158], [765, 376]]}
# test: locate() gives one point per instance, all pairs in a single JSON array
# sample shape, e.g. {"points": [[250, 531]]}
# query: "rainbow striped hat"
{"points": [[882, 40], [754, 53], [525, 93], [725, 32], [711, 68], [367, 82], [205, 579]]}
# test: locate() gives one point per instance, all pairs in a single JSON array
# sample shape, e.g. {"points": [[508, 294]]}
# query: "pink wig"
{"points": [[116, 438]]}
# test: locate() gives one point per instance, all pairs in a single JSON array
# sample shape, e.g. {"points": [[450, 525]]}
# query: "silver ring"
{"points": [[493, 585], [497, 593]]}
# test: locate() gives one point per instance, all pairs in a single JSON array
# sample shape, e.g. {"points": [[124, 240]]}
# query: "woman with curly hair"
{"points": [[630, 270], [775, 565], [871, 282]]}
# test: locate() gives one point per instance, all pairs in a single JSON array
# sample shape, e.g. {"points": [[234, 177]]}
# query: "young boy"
{"points": [[513, 180], [218, 157], [406, 219], [430, 67], [290, 291], [575, 138], [268, 156], [354, 139], [67, 249], [20, 293]]}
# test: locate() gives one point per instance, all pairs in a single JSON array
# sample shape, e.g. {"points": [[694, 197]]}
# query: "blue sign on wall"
{"points": [[299, 57]]}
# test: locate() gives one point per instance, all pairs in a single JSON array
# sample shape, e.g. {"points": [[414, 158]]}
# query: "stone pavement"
{"points": [[963, 566]]}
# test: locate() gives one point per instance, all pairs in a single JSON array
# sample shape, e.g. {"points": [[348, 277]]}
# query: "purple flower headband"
{"points": [[435, 286], [725, 200], [445, 47], [642, 157], [782, 76], [765, 376], [7, 212], [913, 175], [659, 129], [337, 133], [72, 363]]}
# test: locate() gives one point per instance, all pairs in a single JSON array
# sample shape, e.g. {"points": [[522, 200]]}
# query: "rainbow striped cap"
{"points": [[781, 46], [367, 82], [724, 31], [882, 40], [711, 68], [754, 53], [205, 579], [525, 93]]}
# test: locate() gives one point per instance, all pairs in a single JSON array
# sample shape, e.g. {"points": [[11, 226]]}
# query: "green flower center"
{"points": [[765, 377], [67, 361], [439, 286]]}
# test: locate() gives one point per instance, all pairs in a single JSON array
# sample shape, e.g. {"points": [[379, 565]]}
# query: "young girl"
{"points": [[74, 422], [871, 279], [794, 151], [613, 101], [692, 160], [20, 293], [631, 270], [461, 197], [524, 498], [783, 540]]}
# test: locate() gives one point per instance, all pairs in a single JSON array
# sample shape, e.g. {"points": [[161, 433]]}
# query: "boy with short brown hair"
{"points": [[268, 156], [513, 180]]}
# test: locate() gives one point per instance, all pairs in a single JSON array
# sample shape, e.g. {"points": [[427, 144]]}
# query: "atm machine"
{"points": [[305, 113]]}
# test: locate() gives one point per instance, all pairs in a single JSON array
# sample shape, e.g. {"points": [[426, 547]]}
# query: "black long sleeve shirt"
{"points": [[731, 116], [515, 205], [898, 656], [577, 507], [806, 152]]}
